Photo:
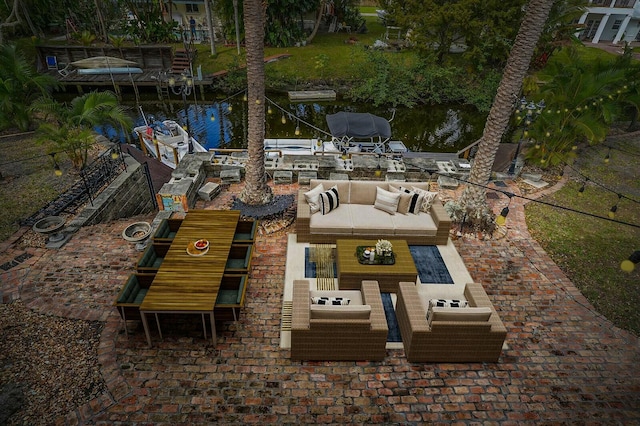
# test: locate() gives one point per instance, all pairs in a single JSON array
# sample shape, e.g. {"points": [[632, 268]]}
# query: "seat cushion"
{"points": [[336, 222], [369, 221], [412, 224], [340, 312]]}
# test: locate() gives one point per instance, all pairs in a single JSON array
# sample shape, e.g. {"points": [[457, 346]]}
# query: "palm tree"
{"points": [[70, 127], [256, 191], [20, 84], [473, 201]]}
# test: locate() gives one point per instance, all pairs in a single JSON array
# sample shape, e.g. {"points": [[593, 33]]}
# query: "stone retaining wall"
{"points": [[128, 195]]}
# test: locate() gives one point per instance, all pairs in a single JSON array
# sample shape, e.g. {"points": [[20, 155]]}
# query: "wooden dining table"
{"points": [[188, 281]]}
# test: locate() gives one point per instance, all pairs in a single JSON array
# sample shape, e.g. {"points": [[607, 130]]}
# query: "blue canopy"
{"points": [[358, 125]]}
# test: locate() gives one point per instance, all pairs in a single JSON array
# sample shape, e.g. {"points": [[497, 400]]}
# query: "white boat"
{"points": [[167, 141], [280, 147]]}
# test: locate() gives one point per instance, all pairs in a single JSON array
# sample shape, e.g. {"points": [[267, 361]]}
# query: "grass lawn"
{"points": [[330, 57], [589, 250]]}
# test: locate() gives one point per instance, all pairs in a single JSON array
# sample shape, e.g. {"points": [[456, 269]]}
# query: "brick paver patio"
{"points": [[563, 364]]}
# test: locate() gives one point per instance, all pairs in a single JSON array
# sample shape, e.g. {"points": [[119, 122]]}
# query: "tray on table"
{"points": [[377, 260]]}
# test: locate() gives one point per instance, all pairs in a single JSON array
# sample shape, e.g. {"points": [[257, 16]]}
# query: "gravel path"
{"points": [[48, 365]]}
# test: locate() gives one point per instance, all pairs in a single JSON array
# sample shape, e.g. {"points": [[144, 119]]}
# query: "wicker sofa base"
{"points": [[448, 341], [338, 339], [439, 236]]}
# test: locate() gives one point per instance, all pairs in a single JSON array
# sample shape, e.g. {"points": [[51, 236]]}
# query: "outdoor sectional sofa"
{"points": [[468, 334], [356, 216]]}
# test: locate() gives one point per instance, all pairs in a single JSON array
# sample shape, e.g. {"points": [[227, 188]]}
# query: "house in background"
{"points": [[181, 11], [611, 21]]}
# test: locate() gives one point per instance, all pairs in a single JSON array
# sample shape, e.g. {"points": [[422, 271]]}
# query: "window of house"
{"points": [[192, 8], [616, 24]]}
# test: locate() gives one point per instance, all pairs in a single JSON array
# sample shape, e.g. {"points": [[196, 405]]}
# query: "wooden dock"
{"points": [[312, 95]]}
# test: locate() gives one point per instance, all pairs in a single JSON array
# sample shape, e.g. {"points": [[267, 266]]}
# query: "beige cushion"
{"points": [[342, 185], [414, 224], [313, 198], [386, 201], [336, 222], [340, 312], [460, 314], [404, 202], [365, 192], [368, 221]]}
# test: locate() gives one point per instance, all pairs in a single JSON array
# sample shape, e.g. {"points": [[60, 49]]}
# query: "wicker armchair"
{"points": [[339, 337], [453, 339]]}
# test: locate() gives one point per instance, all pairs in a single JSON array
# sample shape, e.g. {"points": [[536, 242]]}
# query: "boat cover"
{"points": [[358, 125]]}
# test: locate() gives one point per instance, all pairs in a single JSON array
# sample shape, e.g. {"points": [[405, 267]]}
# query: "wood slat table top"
{"points": [[348, 261], [186, 283]]}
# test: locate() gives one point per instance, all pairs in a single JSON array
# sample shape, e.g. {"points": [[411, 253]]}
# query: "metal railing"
{"points": [[93, 179]]}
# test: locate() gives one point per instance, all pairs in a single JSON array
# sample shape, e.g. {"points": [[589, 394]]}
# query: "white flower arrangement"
{"points": [[383, 247]]}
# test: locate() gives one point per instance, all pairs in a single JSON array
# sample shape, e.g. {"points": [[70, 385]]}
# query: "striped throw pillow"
{"points": [[329, 200], [386, 201]]}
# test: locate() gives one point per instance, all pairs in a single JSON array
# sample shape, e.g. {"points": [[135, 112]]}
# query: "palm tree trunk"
{"points": [[317, 24], [473, 198], [256, 191]]}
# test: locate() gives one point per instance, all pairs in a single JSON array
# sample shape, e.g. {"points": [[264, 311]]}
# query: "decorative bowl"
{"points": [[201, 244]]}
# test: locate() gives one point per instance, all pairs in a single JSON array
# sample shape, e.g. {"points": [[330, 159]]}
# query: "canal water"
{"points": [[222, 122]]}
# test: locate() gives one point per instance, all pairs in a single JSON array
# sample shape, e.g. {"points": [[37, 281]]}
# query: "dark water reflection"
{"points": [[440, 128]]}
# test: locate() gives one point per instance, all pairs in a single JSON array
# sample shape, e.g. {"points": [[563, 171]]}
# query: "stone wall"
{"points": [[128, 195]]}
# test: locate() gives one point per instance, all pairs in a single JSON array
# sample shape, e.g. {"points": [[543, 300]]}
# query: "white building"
{"points": [[611, 21]]}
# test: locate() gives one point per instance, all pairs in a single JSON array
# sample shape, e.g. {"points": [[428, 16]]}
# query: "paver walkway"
{"points": [[563, 364]]}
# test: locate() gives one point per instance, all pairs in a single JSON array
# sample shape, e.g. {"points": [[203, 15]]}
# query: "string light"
{"points": [[608, 156], [244, 97], [297, 131], [614, 208], [502, 218], [283, 120], [114, 153], [582, 188], [56, 168], [269, 110], [630, 264], [230, 107], [213, 117]]}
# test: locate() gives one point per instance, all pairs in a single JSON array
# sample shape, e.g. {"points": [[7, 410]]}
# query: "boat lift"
{"points": [[355, 131]]}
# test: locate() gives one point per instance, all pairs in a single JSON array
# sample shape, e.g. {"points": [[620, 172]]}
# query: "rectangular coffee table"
{"points": [[351, 272]]}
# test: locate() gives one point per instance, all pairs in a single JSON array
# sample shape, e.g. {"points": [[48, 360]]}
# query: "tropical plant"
{"points": [[148, 25], [69, 128], [256, 191], [20, 84], [473, 198], [583, 100]]}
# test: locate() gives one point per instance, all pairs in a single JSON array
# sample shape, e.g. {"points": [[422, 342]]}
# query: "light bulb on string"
{"points": [[56, 168], [230, 108], [213, 117], [297, 131], [269, 110], [502, 217], [582, 188], [283, 120], [629, 264], [608, 156], [614, 208], [114, 153], [244, 97]]}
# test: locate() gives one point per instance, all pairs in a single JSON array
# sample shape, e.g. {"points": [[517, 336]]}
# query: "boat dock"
{"points": [[312, 95], [154, 61]]}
